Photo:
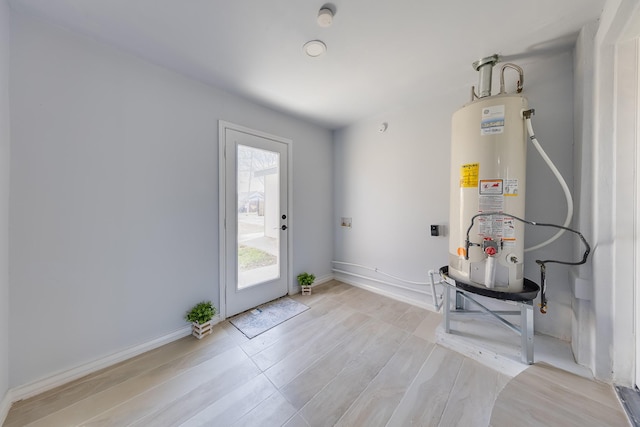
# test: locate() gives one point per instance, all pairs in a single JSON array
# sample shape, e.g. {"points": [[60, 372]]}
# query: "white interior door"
{"points": [[255, 218]]}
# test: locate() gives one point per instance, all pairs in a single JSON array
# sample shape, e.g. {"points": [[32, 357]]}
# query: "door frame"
{"points": [[222, 182], [634, 64], [615, 202], [626, 125]]}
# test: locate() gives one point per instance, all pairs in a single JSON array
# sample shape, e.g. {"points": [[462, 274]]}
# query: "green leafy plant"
{"points": [[306, 279], [201, 313]]}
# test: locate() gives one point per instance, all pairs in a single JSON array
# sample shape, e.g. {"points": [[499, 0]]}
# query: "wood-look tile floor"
{"points": [[353, 359], [545, 395]]}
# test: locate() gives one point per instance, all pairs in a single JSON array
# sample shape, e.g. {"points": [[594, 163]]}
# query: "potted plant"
{"points": [[305, 280], [200, 317]]}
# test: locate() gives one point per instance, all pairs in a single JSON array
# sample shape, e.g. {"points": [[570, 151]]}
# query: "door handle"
{"points": [[284, 227]]}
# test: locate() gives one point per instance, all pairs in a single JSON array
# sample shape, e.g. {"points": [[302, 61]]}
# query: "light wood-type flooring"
{"points": [[354, 358]]}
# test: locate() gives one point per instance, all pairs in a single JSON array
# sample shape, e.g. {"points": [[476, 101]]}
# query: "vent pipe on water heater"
{"points": [[484, 67]]}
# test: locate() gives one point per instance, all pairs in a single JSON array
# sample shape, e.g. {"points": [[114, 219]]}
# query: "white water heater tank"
{"points": [[488, 172]]}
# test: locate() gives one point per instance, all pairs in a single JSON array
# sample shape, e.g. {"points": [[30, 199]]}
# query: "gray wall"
{"points": [[114, 209], [549, 87], [395, 184], [4, 200]]}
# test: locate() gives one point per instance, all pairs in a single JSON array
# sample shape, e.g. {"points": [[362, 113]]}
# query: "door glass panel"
{"points": [[258, 192]]}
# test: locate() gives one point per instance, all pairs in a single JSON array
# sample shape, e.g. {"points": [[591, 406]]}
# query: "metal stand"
{"points": [[525, 312]]}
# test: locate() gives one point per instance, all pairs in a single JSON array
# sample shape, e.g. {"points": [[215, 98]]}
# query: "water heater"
{"points": [[488, 173]]}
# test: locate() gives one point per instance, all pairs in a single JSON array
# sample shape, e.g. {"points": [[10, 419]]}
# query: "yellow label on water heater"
{"points": [[469, 175]]}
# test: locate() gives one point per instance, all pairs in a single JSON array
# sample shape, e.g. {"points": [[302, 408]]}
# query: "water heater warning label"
{"points": [[469, 175], [491, 203], [492, 120], [498, 227], [490, 186], [510, 187]]}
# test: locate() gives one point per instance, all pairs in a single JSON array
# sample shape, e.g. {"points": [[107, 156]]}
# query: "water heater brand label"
{"points": [[492, 120]]}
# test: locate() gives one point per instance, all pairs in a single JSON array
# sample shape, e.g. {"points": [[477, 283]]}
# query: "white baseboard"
{"points": [[5, 405], [418, 300], [323, 279], [63, 377]]}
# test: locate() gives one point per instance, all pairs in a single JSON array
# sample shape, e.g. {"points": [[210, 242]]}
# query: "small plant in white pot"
{"points": [[305, 280], [200, 317]]}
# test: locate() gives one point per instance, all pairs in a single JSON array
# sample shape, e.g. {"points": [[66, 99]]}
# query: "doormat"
{"points": [[254, 322]]}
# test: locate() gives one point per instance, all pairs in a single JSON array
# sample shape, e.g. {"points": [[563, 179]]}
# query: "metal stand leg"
{"points": [[446, 308], [464, 299], [459, 301], [526, 332]]}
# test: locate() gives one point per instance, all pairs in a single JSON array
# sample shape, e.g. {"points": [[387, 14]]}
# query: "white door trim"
{"points": [[614, 202], [222, 177], [627, 141], [636, 228]]}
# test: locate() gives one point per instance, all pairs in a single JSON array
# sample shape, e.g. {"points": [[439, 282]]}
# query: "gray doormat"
{"points": [[254, 322]]}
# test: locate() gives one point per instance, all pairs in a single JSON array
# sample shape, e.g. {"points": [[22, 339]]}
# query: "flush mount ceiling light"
{"points": [[314, 48]]}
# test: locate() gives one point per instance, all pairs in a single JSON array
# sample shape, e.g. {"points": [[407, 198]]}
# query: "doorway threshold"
{"points": [[630, 398]]}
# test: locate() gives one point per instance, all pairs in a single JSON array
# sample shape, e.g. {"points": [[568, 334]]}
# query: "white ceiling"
{"points": [[381, 54]]}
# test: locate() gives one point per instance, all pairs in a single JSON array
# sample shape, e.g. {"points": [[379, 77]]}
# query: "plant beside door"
{"points": [[200, 317], [305, 280]]}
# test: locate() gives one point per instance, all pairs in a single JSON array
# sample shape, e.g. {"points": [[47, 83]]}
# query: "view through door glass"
{"points": [[256, 219], [258, 190]]}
